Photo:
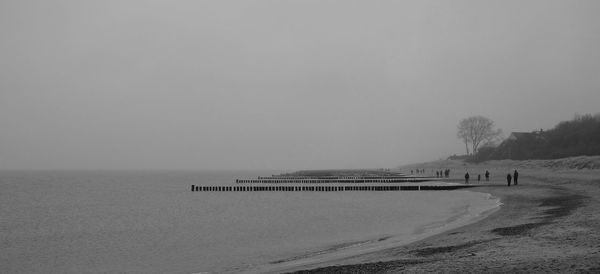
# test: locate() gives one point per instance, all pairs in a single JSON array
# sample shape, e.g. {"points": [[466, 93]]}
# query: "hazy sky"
{"points": [[282, 84]]}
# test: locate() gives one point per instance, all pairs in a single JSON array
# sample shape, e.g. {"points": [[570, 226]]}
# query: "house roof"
{"points": [[519, 135], [525, 135]]}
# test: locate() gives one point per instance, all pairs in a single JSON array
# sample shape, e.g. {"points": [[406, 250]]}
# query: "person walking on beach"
{"points": [[478, 177], [508, 178], [487, 175], [467, 178], [516, 177]]}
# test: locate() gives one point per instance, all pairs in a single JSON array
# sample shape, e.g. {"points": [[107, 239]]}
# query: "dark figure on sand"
{"points": [[478, 177], [516, 177], [487, 175], [467, 178], [508, 178]]}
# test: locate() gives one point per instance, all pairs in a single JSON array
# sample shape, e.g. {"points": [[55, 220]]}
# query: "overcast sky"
{"points": [[282, 84]]}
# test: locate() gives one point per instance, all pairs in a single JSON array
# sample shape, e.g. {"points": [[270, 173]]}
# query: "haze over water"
{"points": [[149, 222], [256, 85], [282, 84]]}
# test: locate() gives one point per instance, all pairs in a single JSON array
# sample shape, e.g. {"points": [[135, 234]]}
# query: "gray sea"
{"points": [[150, 221]]}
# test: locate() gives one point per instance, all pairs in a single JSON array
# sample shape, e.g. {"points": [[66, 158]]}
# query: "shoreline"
{"points": [[471, 213], [548, 223]]}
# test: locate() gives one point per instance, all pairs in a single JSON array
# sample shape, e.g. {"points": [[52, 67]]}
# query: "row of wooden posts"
{"points": [[335, 181], [331, 177], [323, 188]]}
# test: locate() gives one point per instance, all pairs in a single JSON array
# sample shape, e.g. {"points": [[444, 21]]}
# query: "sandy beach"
{"points": [[548, 223]]}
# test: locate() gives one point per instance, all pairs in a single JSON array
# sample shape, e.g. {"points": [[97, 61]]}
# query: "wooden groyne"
{"points": [[271, 180], [331, 177], [323, 188], [337, 177]]}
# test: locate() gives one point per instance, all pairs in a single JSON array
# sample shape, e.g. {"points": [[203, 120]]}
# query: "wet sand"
{"points": [[550, 222]]}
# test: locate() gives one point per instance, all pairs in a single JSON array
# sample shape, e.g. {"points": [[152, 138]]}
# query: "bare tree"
{"points": [[475, 130]]}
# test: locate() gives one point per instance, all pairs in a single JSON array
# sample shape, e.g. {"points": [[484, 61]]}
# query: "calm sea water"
{"points": [[149, 221]]}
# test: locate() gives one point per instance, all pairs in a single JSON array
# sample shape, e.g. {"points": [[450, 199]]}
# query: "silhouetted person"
{"points": [[516, 177], [478, 177], [447, 173], [487, 175], [437, 174], [411, 172], [467, 178], [508, 178]]}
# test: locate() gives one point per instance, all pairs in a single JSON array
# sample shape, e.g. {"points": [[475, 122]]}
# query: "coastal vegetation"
{"points": [[577, 137], [476, 130]]}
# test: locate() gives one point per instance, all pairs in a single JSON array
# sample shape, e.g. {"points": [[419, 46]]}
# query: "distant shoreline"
{"points": [[548, 223]]}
